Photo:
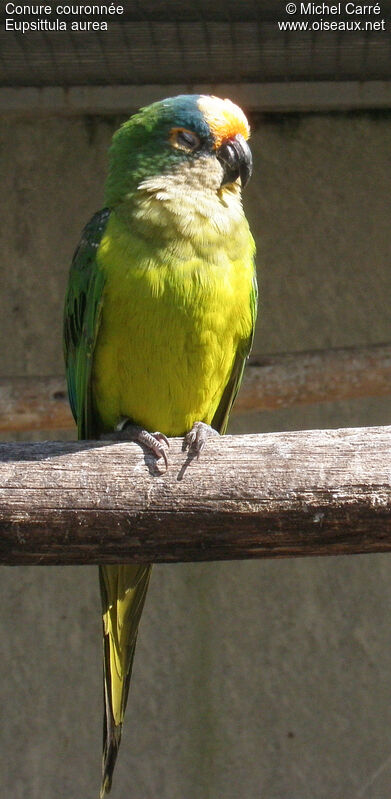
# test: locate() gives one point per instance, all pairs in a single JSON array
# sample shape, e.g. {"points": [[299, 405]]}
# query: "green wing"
{"points": [[220, 419], [83, 305]]}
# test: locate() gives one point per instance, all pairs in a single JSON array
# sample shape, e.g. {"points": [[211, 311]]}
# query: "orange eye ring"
{"points": [[183, 139]]}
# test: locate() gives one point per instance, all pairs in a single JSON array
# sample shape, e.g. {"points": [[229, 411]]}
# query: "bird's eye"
{"points": [[184, 139]]}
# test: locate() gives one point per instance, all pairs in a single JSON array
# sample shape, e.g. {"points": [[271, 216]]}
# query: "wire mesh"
{"points": [[193, 41]]}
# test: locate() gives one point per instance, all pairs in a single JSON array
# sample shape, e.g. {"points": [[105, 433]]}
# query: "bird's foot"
{"points": [[155, 442], [197, 437]]}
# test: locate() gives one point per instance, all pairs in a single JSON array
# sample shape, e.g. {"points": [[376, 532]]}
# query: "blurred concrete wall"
{"points": [[263, 679]]}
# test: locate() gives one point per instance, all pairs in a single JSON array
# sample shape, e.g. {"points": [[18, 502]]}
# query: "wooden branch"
{"points": [[271, 382], [302, 378], [34, 403], [319, 492]]}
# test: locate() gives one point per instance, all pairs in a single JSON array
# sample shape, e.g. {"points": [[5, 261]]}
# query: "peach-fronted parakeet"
{"points": [[159, 317]]}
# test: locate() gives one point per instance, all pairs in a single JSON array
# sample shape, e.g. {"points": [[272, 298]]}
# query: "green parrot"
{"points": [[159, 318]]}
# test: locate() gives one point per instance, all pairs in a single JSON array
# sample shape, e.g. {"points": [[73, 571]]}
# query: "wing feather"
{"points": [[83, 305], [221, 417]]}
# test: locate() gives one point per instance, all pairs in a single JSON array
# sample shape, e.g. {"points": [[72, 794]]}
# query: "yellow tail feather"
{"points": [[123, 591]]}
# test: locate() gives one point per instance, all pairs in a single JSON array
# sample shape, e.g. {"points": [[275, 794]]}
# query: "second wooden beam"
{"points": [[270, 382]]}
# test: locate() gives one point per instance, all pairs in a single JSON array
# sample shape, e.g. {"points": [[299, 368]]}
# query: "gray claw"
{"points": [[127, 431], [161, 437], [197, 437], [153, 442]]}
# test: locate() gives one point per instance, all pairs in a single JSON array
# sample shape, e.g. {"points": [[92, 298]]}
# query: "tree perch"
{"points": [[270, 382], [319, 492]]}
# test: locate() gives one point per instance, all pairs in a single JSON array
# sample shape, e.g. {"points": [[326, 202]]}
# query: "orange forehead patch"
{"points": [[224, 118]]}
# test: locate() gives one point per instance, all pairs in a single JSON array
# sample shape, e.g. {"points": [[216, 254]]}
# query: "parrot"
{"points": [[159, 319]]}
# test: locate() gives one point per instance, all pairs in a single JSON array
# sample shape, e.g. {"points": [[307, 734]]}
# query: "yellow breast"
{"points": [[172, 321]]}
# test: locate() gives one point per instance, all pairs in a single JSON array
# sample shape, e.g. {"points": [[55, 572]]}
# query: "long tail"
{"points": [[123, 591]]}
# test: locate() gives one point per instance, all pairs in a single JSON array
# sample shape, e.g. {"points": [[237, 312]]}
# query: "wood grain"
{"points": [[34, 403], [303, 378], [320, 492], [270, 382]]}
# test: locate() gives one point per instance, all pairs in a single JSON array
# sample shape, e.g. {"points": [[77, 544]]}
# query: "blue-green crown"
{"points": [[141, 147]]}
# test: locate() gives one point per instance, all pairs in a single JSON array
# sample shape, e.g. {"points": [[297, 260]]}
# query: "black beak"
{"points": [[236, 160]]}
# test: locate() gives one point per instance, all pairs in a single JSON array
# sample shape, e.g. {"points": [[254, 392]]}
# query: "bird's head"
{"points": [[199, 138]]}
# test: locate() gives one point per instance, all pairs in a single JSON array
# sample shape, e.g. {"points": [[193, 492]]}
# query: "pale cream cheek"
{"points": [[200, 173], [191, 200]]}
